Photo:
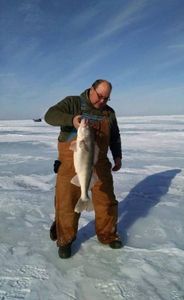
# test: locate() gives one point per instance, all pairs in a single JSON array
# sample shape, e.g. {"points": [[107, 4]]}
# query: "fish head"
{"points": [[84, 130]]}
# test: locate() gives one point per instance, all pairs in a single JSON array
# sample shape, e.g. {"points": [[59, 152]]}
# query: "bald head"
{"points": [[100, 93], [99, 81]]}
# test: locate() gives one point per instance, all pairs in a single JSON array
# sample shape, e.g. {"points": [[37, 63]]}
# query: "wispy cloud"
{"points": [[83, 19], [124, 18], [177, 46], [31, 14], [170, 55], [146, 98], [7, 75], [50, 48], [82, 67]]}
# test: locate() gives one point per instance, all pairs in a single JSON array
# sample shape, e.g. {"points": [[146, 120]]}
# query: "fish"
{"points": [[85, 156]]}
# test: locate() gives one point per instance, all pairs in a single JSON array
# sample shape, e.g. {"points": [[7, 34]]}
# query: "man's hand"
{"points": [[117, 164], [76, 121]]}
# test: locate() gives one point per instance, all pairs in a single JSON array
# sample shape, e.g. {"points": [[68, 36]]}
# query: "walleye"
{"points": [[85, 157]]}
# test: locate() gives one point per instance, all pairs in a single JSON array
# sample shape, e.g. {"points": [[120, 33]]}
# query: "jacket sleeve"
{"points": [[60, 114], [115, 139]]}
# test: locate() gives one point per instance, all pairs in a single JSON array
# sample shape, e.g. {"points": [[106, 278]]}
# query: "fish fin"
{"points": [[83, 145], [83, 205], [96, 152], [73, 146], [75, 180], [89, 206], [94, 179]]}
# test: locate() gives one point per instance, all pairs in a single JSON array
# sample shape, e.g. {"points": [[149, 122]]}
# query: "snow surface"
{"points": [[149, 188]]}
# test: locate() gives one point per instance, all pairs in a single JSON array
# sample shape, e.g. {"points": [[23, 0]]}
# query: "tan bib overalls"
{"points": [[67, 194]]}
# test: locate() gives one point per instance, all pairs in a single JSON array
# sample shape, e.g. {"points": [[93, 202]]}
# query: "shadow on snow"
{"points": [[146, 194], [137, 204]]}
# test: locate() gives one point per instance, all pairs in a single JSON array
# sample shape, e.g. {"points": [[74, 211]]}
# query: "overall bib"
{"points": [[103, 198]]}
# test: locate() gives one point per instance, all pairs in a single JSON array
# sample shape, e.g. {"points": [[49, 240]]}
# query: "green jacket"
{"points": [[63, 112]]}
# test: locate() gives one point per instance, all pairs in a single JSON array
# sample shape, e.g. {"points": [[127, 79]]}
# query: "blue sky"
{"points": [[54, 48]]}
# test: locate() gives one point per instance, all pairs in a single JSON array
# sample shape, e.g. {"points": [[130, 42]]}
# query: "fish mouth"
{"points": [[84, 122]]}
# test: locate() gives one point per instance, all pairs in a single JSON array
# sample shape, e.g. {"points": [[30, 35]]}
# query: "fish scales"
{"points": [[85, 157]]}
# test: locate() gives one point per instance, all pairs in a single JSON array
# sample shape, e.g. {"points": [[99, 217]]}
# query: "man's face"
{"points": [[100, 95]]}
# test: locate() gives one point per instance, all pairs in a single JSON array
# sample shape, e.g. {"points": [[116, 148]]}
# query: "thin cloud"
{"points": [[83, 19], [7, 75], [31, 13], [177, 46], [126, 17], [80, 69]]}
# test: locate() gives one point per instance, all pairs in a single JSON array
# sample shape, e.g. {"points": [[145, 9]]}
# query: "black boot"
{"points": [[53, 233], [65, 251], [116, 244]]}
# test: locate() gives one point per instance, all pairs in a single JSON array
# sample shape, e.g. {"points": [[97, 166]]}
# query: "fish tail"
{"points": [[84, 204], [84, 199]]}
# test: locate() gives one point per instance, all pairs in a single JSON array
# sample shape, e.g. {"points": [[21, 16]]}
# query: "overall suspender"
{"points": [[85, 111]]}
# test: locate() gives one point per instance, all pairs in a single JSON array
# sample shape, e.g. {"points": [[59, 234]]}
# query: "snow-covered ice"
{"points": [[150, 190]]}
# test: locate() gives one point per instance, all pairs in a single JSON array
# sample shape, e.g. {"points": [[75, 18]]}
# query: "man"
{"points": [[67, 114]]}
